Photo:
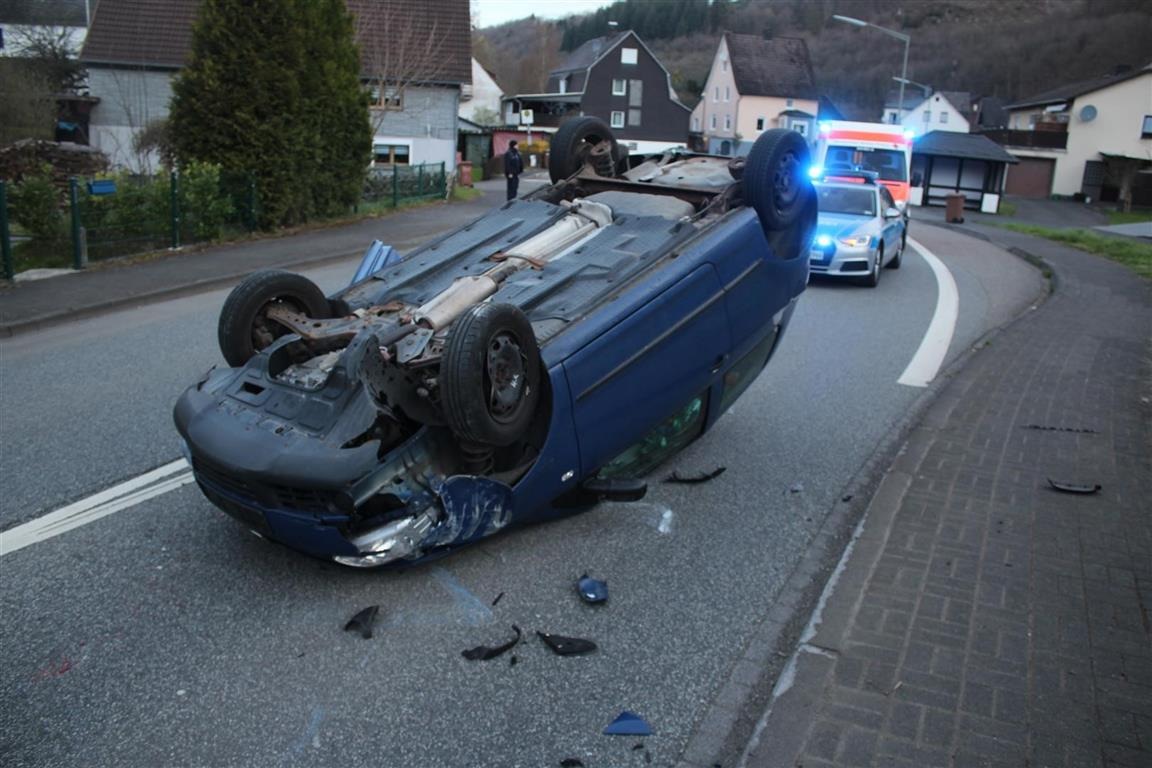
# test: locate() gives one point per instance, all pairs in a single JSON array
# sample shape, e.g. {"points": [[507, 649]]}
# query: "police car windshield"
{"points": [[858, 201]]}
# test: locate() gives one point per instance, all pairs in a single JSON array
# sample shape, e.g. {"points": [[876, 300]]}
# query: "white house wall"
{"points": [[1120, 111], [129, 101], [720, 98], [427, 122], [942, 115], [486, 94]]}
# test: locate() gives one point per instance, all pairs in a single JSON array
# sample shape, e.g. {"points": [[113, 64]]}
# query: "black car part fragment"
{"points": [[363, 622], [567, 646], [704, 477], [485, 652]]}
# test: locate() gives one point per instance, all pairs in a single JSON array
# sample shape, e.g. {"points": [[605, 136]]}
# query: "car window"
{"points": [[886, 198], [860, 201], [889, 163]]}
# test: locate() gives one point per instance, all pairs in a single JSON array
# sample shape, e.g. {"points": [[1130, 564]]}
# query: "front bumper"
{"points": [[840, 260]]}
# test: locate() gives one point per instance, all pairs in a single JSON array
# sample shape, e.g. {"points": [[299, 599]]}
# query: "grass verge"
{"points": [[1133, 217], [1133, 254]]}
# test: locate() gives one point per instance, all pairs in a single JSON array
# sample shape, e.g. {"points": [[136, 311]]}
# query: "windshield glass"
{"points": [[889, 163], [859, 201]]}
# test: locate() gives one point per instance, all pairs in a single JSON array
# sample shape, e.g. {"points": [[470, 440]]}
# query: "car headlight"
{"points": [[856, 240]]}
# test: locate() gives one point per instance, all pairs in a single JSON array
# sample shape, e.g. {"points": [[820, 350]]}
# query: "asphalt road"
{"points": [[167, 635]]}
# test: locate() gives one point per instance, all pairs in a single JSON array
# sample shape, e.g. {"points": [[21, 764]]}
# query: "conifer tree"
{"points": [[275, 92]]}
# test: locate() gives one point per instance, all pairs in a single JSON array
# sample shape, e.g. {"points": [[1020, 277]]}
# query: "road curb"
{"points": [[53, 319], [741, 706]]}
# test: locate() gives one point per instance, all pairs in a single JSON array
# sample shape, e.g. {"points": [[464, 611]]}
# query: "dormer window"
{"points": [[627, 55]]}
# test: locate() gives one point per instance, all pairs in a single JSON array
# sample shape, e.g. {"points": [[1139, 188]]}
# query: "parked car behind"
{"points": [[532, 362]]}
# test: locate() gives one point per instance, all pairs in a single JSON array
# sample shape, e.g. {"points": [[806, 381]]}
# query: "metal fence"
{"points": [[396, 184], [105, 218]]}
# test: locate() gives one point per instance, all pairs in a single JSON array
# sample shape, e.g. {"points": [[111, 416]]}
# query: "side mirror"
{"points": [[892, 213]]}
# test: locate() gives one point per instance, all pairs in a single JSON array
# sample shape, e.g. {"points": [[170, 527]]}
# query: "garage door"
{"points": [[1031, 178]]}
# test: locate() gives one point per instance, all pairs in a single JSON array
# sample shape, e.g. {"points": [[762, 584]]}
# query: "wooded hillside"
{"points": [[1005, 48]]}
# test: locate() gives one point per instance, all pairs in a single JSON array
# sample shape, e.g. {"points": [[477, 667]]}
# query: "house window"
{"points": [[712, 123], [391, 98], [716, 95], [617, 119], [636, 93], [759, 123], [727, 122], [943, 117], [564, 84], [1146, 130], [695, 123], [390, 154], [927, 116], [627, 55], [789, 102], [723, 65], [727, 93], [619, 86], [800, 126], [633, 117]]}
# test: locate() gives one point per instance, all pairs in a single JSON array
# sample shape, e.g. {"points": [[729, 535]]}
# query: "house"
{"points": [[931, 111], [616, 78], [483, 95], [1091, 139], [755, 85], [951, 162], [893, 112], [135, 47]]}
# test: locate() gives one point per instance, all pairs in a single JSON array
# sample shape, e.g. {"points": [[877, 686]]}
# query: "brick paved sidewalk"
{"points": [[982, 618]]}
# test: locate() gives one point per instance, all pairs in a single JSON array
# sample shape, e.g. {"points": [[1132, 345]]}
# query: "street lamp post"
{"points": [[892, 33]]}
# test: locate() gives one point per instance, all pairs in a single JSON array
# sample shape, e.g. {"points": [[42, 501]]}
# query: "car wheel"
{"points": [[873, 278], [776, 178], [244, 327], [895, 263], [574, 141], [490, 375]]}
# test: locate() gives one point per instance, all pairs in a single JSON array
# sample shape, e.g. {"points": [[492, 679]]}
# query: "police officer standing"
{"points": [[513, 167]]}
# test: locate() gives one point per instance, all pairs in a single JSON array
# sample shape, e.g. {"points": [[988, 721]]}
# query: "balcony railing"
{"points": [[1030, 139]]}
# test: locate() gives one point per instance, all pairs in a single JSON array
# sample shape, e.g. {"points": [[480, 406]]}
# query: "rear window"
{"points": [[856, 201]]}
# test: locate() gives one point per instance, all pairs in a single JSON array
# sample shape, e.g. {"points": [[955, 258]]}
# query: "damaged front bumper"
{"points": [[304, 487]]}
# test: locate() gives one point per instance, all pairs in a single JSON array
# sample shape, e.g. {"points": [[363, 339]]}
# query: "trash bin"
{"points": [[954, 208], [465, 169]]}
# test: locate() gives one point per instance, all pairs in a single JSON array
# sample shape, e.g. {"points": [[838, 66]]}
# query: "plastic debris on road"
{"points": [[1075, 487], [628, 724], [567, 646], [592, 590], [363, 622], [486, 652]]}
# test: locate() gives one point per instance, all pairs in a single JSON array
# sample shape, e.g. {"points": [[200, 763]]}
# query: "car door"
{"points": [[663, 350], [893, 228]]}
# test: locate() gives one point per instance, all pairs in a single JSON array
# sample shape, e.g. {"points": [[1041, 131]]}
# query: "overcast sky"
{"points": [[487, 13]]}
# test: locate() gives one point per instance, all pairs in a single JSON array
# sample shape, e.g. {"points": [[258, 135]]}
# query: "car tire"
{"points": [[489, 347], [572, 143], [244, 329], [776, 181], [873, 278]]}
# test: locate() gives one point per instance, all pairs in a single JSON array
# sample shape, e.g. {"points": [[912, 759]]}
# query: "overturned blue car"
{"points": [[534, 362]]}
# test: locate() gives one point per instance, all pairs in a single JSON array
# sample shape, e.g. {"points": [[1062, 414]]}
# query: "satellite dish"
{"points": [[1088, 113]]}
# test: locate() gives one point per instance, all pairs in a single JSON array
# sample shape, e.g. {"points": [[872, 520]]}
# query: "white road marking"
{"points": [[120, 497], [929, 357]]}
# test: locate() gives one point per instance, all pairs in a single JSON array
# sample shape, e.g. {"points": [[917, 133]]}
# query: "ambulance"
{"points": [[878, 147]]}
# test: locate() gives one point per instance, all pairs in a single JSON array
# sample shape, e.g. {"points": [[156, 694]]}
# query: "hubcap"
{"points": [[506, 379]]}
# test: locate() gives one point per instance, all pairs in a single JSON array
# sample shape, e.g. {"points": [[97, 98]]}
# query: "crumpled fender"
{"points": [[474, 507]]}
